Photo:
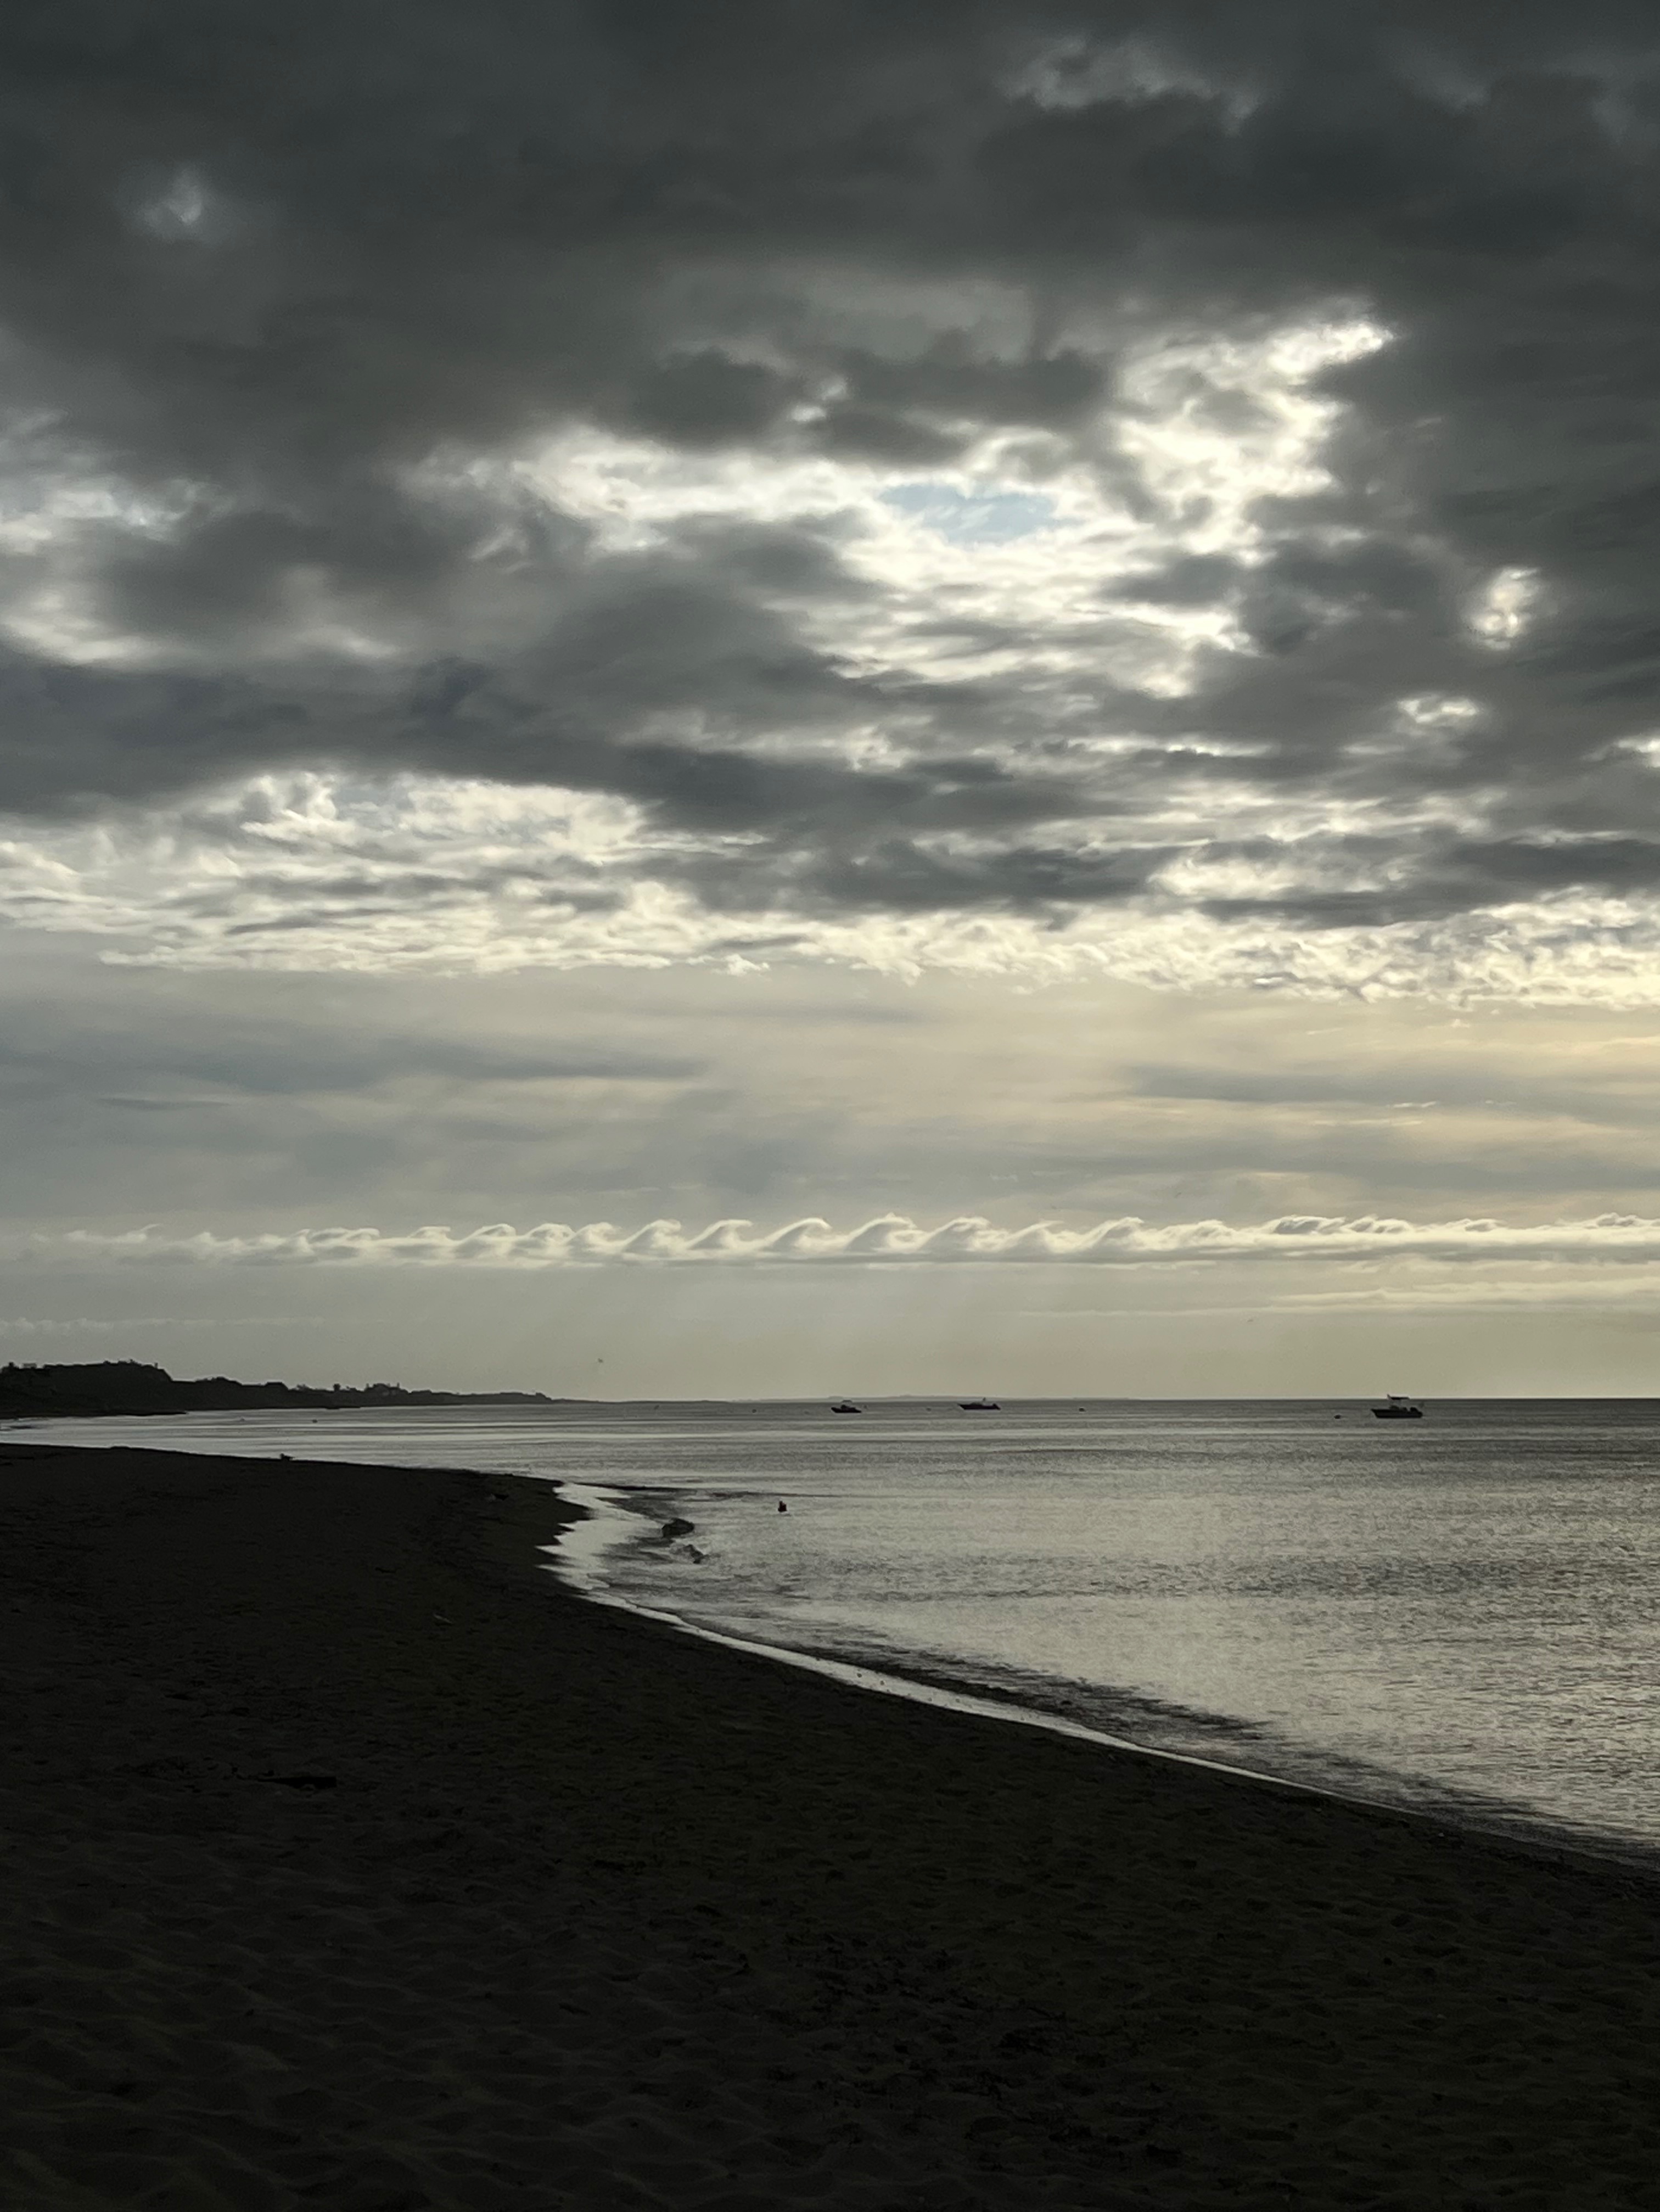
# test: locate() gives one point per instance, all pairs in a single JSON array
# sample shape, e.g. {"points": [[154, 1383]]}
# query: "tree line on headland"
{"points": [[129, 1386]]}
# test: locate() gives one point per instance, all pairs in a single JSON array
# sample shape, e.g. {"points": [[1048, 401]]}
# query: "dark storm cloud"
{"points": [[1450, 878], [901, 875], [704, 398], [260, 270]]}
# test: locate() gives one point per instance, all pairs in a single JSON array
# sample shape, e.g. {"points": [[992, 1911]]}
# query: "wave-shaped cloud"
{"points": [[889, 1239]]}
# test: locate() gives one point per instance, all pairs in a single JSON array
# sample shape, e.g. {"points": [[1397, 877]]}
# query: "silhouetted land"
{"points": [[127, 1386], [353, 1863]]}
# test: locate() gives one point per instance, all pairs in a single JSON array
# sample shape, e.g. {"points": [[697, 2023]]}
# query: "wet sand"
{"points": [[351, 1862]]}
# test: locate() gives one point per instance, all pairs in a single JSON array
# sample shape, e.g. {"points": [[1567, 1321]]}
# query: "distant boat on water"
{"points": [[1395, 1407], [980, 1405], [844, 1406]]}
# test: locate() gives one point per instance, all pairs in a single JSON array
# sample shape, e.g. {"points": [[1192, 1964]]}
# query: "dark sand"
{"points": [[595, 1915]]}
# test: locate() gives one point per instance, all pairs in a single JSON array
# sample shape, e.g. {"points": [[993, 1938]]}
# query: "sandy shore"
{"points": [[349, 1863]]}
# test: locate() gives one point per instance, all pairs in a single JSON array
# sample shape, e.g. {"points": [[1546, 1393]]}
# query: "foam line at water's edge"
{"points": [[607, 1523]]}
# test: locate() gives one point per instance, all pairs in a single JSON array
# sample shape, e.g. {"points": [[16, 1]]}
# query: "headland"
{"points": [[83, 1389]]}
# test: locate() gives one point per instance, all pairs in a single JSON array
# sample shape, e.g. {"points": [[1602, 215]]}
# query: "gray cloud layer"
{"points": [[289, 302]]}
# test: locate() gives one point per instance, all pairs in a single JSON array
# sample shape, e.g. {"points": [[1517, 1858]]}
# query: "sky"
{"points": [[832, 697]]}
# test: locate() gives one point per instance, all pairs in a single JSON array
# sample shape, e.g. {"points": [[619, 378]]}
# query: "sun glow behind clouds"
{"points": [[1216, 424], [1026, 540], [1505, 609], [1025, 533]]}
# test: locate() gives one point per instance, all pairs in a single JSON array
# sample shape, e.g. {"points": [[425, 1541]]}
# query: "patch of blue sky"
{"points": [[973, 517]]}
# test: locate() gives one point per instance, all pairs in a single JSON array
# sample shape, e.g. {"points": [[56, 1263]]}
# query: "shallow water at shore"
{"points": [[1460, 1613]]}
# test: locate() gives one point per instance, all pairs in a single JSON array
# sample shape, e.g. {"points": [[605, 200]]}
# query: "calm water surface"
{"points": [[1460, 1612]]}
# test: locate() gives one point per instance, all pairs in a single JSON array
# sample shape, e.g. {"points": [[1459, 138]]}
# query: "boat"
{"points": [[842, 1405], [980, 1405], [1395, 1407]]}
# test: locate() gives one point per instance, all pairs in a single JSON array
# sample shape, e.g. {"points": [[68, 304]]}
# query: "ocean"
{"points": [[1460, 1614]]}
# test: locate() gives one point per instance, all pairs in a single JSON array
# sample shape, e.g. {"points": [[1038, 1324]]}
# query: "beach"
{"points": [[353, 1862]]}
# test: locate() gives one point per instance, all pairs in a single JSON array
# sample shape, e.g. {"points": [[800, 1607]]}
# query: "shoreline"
{"points": [[1503, 1824], [357, 1855]]}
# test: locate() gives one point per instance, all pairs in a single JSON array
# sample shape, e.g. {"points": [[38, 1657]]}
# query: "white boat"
{"points": [[1395, 1407]]}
